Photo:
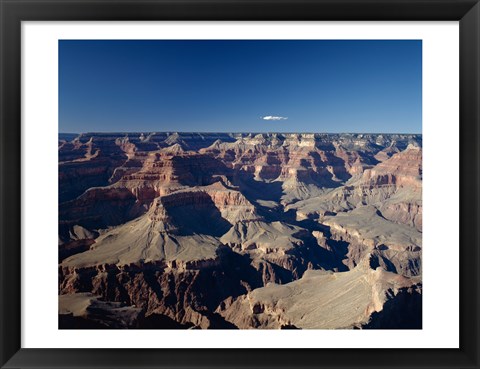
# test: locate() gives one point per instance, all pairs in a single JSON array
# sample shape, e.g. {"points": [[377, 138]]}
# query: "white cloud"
{"points": [[273, 117]]}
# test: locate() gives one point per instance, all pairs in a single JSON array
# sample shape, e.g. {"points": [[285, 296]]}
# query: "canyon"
{"points": [[176, 230]]}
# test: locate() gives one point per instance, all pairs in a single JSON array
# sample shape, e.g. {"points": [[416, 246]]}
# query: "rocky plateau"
{"points": [[240, 231]]}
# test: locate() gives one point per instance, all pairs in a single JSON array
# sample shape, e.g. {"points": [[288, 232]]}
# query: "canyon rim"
{"points": [[197, 230]]}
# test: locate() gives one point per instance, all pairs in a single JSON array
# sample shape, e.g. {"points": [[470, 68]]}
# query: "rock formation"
{"points": [[241, 230]]}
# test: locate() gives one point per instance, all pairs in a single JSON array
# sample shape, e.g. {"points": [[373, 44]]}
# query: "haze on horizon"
{"points": [[260, 86]]}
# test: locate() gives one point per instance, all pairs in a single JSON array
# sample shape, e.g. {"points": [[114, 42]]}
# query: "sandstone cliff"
{"points": [[240, 230]]}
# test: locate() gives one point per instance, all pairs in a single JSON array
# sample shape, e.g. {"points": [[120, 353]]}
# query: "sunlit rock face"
{"points": [[240, 230]]}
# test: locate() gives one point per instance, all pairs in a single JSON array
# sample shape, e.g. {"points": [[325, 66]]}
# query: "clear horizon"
{"points": [[250, 132], [262, 86]]}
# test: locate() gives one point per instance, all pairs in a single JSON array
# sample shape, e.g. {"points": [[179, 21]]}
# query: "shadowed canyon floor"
{"points": [[240, 231]]}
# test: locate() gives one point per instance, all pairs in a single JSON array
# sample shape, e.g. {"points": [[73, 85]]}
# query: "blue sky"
{"points": [[240, 86]]}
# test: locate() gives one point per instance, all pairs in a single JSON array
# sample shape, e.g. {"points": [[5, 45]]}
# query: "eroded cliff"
{"points": [[179, 230]]}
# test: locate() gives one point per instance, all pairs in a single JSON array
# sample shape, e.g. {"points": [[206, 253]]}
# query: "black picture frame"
{"points": [[13, 12]]}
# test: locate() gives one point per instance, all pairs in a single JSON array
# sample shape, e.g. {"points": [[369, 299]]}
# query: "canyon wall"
{"points": [[240, 230]]}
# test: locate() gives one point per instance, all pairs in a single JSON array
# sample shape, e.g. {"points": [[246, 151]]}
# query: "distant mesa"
{"points": [[250, 230]]}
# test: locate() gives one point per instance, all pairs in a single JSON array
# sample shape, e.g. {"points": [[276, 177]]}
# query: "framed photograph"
{"points": [[239, 184]]}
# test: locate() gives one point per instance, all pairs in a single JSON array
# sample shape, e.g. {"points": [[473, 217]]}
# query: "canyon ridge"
{"points": [[240, 231]]}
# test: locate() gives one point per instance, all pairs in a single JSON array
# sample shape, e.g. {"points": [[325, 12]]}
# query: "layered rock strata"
{"points": [[241, 230]]}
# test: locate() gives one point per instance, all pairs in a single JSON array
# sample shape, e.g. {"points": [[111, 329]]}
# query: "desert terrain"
{"points": [[240, 231]]}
